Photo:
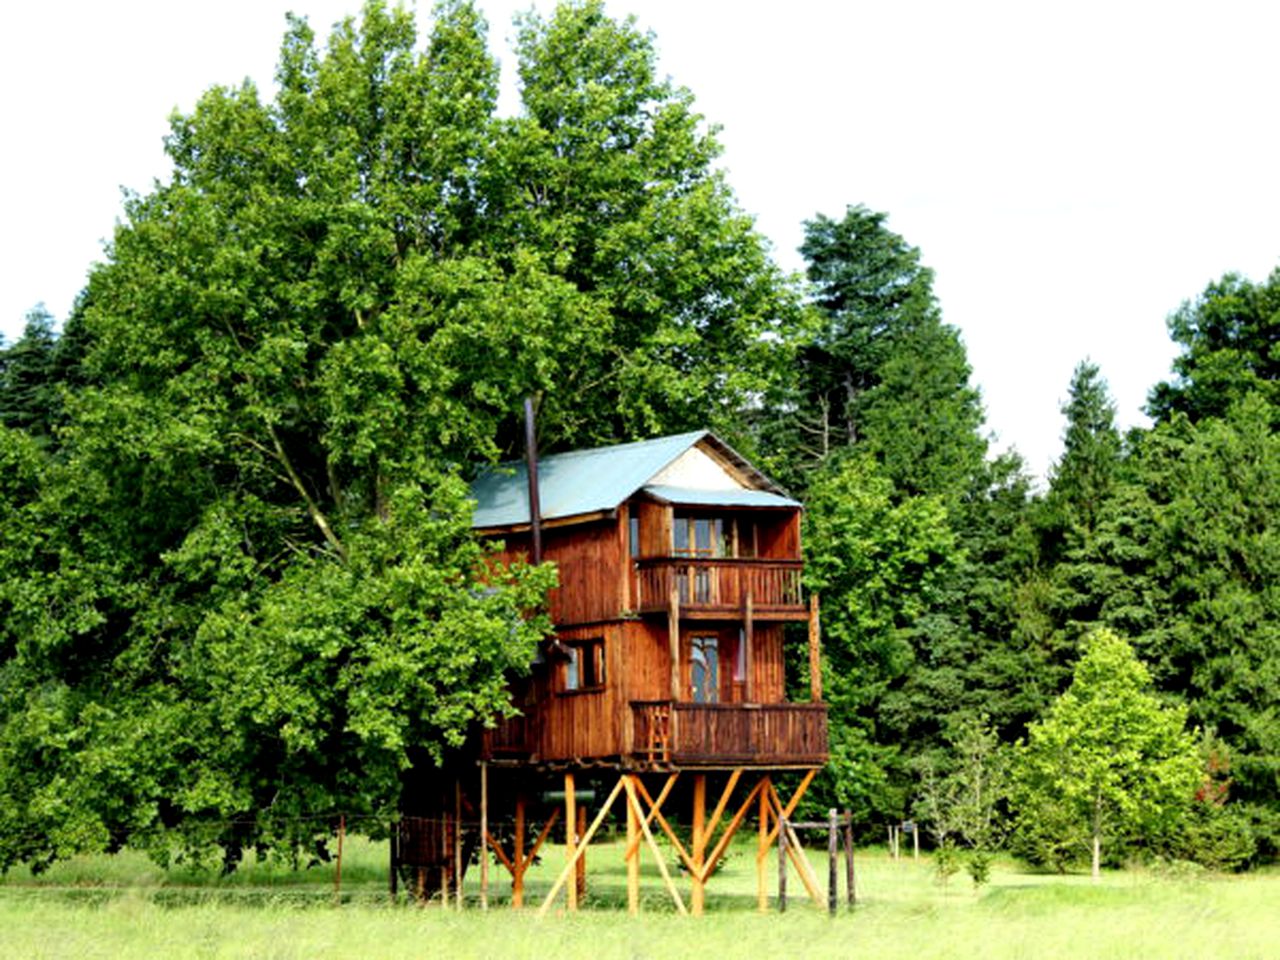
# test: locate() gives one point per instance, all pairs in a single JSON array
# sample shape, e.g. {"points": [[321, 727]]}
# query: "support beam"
{"points": [[791, 804], [673, 641], [655, 812], [633, 860], [517, 877], [484, 835], [762, 849], [634, 799], [457, 843], [815, 650], [699, 843], [582, 845], [570, 836], [581, 828]]}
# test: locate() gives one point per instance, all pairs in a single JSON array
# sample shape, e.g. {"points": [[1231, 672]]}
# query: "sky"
{"points": [[1072, 172]]}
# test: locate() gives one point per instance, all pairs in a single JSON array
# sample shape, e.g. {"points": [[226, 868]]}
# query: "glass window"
{"points": [[634, 526], [584, 666], [705, 669]]}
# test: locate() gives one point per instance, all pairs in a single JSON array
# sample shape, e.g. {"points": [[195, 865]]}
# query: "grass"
{"points": [[123, 906]]}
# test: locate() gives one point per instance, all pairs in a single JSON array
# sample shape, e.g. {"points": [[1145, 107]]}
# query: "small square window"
{"points": [[584, 667]]}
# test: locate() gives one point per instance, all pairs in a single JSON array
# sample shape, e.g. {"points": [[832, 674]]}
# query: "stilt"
{"points": [[699, 843], [586, 839], [570, 839], [443, 855], [762, 851], [484, 835], [393, 844], [582, 860], [633, 860], [782, 865], [457, 843], [518, 861]]}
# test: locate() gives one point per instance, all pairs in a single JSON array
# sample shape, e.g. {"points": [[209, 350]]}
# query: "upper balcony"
{"points": [[665, 733], [711, 588]]}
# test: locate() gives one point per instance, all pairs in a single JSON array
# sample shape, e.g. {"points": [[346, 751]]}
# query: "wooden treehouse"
{"points": [[680, 564]]}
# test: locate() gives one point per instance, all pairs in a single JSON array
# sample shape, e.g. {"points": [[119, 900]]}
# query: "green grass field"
{"points": [[124, 906]]}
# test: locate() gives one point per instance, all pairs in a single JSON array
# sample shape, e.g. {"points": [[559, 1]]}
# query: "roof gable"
{"points": [[583, 482]]}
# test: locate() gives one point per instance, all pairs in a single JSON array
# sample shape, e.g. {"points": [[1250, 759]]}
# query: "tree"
{"points": [[1229, 338], [247, 595], [28, 396], [876, 565], [1109, 762], [1085, 475], [875, 367]]}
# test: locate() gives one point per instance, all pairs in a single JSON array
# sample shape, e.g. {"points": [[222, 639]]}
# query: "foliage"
{"points": [[978, 866], [1228, 337], [247, 582], [966, 802], [1109, 762], [946, 862]]}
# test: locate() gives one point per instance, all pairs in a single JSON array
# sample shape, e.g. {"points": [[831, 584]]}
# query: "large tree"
{"points": [[246, 591]]}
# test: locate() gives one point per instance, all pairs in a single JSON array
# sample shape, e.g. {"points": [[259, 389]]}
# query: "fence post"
{"points": [[833, 862], [337, 872], [848, 858]]}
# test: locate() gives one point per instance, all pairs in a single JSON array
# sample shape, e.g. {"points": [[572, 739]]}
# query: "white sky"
{"points": [[1071, 171]]}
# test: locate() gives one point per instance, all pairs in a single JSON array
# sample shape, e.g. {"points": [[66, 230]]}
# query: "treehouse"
{"points": [[680, 568], [679, 565]]}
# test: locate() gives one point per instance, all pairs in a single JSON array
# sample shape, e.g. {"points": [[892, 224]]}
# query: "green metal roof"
{"points": [[589, 481], [682, 496]]}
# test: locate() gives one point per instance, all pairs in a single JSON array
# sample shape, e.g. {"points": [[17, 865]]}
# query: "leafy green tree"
{"points": [[247, 593], [876, 564], [1229, 337], [1109, 762], [875, 367]]}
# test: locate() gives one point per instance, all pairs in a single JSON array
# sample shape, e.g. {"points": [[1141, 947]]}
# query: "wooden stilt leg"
{"points": [[457, 843], [762, 850], [443, 855], [582, 860], [518, 861], [586, 839], [633, 861], [484, 836], [570, 836], [699, 842]]}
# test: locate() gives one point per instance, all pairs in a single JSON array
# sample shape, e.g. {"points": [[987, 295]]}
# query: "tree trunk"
{"points": [[1096, 871]]}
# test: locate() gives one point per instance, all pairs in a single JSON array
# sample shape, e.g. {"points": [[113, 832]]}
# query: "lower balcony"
{"points": [[667, 733]]}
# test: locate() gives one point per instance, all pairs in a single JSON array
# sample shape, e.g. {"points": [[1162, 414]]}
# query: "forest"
{"points": [[236, 567]]}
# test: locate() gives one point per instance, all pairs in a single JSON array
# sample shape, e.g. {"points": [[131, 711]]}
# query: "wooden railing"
{"points": [[511, 737], [790, 734], [720, 584]]}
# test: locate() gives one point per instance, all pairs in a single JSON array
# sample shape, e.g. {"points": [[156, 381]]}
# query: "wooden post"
{"points": [[570, 838], [699, 842], [833, 862], [782, 865], [337, 867], [633, 860], [517, 877], [457, 843], [582, 860], [815, 650], [673, 636], [484, 835], [915, 841], [748, 637], [849, 885], [393, 844], [444, 854], [762, 893]]}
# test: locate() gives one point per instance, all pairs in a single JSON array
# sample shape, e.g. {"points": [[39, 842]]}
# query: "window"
{"points": [[740, 658], [584, 667], [704, 672], [698, 537], [634, 530]]}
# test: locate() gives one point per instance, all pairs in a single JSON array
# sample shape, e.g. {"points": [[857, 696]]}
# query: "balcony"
{"points": [[721, 734], [711, 588]]}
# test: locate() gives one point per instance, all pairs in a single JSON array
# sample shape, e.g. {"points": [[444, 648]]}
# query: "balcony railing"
{"points": [[776, 734], [720, 585]]}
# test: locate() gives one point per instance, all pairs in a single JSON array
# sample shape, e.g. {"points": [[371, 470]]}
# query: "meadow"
{"points": [[124, 906]]}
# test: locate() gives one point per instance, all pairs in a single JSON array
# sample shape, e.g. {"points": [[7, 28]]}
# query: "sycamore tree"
{"points": [[1109, 762]]}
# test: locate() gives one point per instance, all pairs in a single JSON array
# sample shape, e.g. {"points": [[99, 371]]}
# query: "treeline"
{"points": [[236, 570]]}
